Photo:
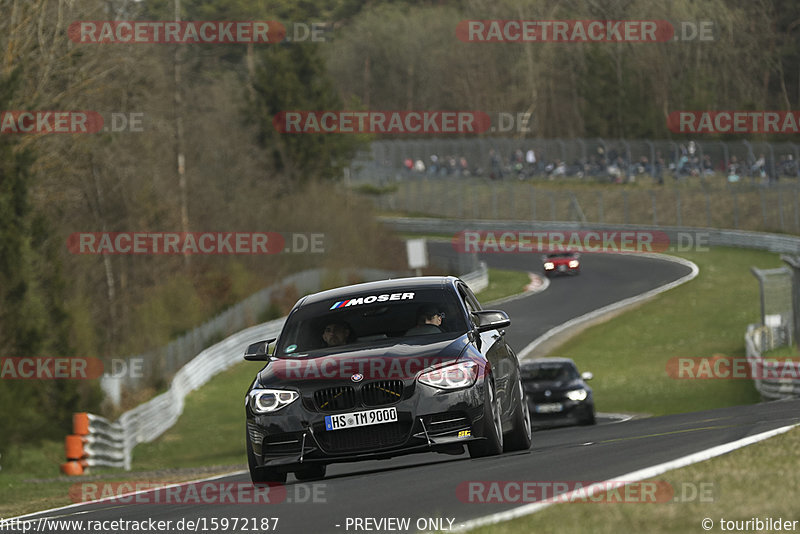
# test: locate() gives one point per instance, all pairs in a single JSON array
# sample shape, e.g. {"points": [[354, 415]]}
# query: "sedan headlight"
{"points": [[454, 376], [577, 394], [549, 265], [573, 263], [271, 400]]}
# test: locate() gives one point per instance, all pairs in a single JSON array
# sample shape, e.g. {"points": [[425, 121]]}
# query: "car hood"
{"points": [[559, 261], [387, 361]]}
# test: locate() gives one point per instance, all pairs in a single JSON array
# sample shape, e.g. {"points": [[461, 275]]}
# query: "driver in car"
{"points": [[429, 321], [336, 333]]}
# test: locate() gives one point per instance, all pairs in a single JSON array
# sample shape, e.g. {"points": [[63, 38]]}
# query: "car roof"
{"points": [[392, 285]]}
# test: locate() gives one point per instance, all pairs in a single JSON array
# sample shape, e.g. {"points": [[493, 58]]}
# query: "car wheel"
{"points": [[519, 438], [492, 445], [589, 419], [313, 472], [261, 475]]}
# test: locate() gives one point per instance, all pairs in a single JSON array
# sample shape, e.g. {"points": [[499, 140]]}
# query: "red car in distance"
{"points": [[561, 263]]}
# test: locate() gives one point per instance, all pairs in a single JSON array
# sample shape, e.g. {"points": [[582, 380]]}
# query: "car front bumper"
{"points": [[429, 420]]}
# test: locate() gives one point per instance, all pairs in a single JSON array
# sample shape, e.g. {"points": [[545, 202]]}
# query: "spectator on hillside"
{"points": [[530, 160], [733, 170], [759, 168]]}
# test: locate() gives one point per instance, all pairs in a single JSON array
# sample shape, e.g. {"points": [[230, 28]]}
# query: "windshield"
{"points": [[550, 372], [369, 318]]}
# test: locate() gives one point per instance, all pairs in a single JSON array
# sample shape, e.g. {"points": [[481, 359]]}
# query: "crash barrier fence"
{"points": [[779, 321], [746, 207], [773, 381], [593, 159], [99, 440], [95, 441], [156, 366]]}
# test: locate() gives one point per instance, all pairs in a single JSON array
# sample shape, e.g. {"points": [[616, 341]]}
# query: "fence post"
{"points": [[796, 211], [511, 206], [780, 211], [653, 204], [533, 203], [708, 209], [627, 207], [494, 202], [600, 206], [735, 209], [678, 206]]}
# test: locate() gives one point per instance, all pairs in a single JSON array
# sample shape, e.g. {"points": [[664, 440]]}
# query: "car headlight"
{"points": [[549, 265], [454, 376], [271, 400], [577, 394], [573, 263]]}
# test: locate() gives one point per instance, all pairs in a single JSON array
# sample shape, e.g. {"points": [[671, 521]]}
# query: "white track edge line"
{"points": [[635, 476], [113, 497]]}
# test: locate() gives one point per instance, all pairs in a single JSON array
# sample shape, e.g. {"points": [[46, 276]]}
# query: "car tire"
{"points": [[492, 444], [590, 419], [519, 438], [312, 472], [261, 475]]}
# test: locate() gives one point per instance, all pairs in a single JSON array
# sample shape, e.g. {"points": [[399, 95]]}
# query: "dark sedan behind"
{"points": [[556, 392]]}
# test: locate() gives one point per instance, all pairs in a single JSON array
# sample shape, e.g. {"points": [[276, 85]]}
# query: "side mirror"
{"points": [[586, 375], [491, 320], [258, 352]]}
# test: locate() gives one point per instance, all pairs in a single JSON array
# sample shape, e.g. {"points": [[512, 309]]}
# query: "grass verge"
{"points": [[503, 284], [629, 354]]}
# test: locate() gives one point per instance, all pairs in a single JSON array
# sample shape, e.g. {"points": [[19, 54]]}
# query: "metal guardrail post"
{"points": [[794, 263]]}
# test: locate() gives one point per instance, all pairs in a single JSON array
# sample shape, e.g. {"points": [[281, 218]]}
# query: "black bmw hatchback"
{"points": [[557, 393], [381, 369]]}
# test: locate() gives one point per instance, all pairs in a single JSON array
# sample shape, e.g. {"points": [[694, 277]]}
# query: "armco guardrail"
{"points": [[149, 420], [160, 364], [95, 441], [478, 280], [773, 380]]}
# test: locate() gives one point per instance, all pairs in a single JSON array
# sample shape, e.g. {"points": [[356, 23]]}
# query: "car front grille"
{"points": [[382, 392], [539, 397], [367, 438], [335, 399]]}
